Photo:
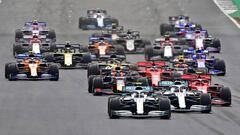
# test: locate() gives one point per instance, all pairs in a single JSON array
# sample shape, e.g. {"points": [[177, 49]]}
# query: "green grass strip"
{"points": [[237, 13]]}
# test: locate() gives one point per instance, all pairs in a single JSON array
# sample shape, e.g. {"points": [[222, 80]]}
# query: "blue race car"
{"points": [[200, 63]]}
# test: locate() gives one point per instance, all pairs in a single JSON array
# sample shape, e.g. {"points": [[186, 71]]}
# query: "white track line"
{"points": [[232, 19]]}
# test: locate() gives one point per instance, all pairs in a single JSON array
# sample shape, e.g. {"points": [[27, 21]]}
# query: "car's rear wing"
{"points": [[195, 76], [150, 63], [175, 18], [28, 24]]}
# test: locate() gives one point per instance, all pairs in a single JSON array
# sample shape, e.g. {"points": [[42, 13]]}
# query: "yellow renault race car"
{"points": [[69, 56]]}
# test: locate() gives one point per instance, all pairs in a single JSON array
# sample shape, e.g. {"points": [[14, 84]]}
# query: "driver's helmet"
{"points": [[35, 22], [182, 21], [167, 37], [129, 31], [181, 59], [35, 37], [67, 50]]}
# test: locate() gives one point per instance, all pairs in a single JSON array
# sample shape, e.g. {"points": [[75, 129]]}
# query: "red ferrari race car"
{"points": [[220, 94], [157, 72]]}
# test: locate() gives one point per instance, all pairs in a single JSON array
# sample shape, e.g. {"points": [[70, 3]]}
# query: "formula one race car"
{"points": [[97, 37], [70, 56], [202, 64], [200, 39], [165, 49], [35, 46], [131, 42], [220, 95], [104, 47], [113, 80], [97, 19], [176, 23], [31, 67], [108, 63], [156, 72], [35, 28], [184, 99], [139, 102]]}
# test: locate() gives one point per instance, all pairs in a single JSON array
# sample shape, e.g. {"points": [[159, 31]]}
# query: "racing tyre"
{"points": [[113, 105], [18, 35], [120, 51], [164, 105], [54, 71], [217, 44], [220, 65], [17, 49], [53, 47], [97, 84], [87, 58], [11, 71], [110, 22], [165, 28], [52, 35], [149, 53], [84, 49], [81, 22], [205, 100], [6, 70], [93, 70], [225, 95], [49, 58], [90, 84]]}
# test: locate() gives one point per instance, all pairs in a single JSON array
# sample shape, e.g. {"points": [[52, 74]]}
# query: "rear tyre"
{"points": [[49, 58], [120, 50], [217, 44], [12, 71], [54, 71], [52, 35], [17, 49], [220, 65], [93, 70], [18, 35], [97, 84], [90, 84], [226, 95], [87, 58], [149, 53], [165, 28]]}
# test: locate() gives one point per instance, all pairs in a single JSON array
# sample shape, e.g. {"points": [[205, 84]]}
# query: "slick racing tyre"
{"points": [[11, 71], [54, 71], [18, 35], [205, 100], [120, 50], [97, 84], [149, 53], [220, 65], [164, 28], [90, 84], [51, 35], [93, 70], [113, 105], [87, 58], [225, 94], [217, 44], [164, 105]]}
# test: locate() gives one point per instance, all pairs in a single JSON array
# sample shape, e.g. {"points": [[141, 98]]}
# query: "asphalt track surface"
{"points": [[66, 108]]}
